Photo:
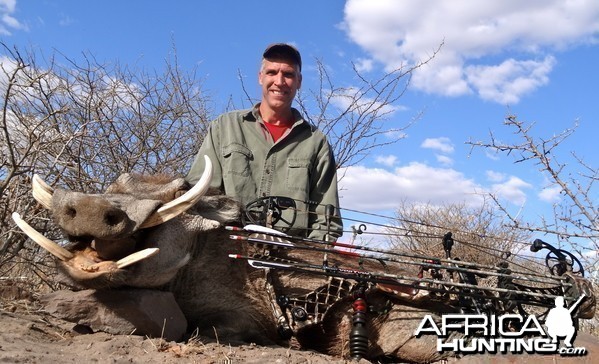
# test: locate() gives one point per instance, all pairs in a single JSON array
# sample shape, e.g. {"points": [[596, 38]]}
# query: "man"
{"points": [[270, 150]]}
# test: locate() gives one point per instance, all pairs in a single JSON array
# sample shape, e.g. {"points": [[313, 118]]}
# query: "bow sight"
{"points": [[270, 211]]}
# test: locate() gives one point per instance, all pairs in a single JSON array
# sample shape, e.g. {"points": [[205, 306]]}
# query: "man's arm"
{"points": [[324, 191]]}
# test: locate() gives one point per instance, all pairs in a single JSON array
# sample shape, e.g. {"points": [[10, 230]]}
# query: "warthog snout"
{"points": [[88, 215]]}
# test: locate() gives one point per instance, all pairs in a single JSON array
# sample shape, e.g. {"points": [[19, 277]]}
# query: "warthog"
{"points": [[148, 232]]}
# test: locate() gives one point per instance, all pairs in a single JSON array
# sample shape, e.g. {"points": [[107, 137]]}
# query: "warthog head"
{"points": [[136, 219]]}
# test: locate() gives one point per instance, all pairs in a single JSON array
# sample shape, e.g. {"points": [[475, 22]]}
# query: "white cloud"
{"points": [[364, 65], [371, 189], [442, 144], [444, 160], [492, 154], [386, 160], [65, 20], [495, 176], [475, 37], [511, 190], [377, 189], [505, 83], [7, 21], [550, 194], [8, 6], [396, 134], [352, 99]]}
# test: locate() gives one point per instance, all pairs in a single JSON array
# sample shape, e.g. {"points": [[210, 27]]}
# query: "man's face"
{"points": [[280, 80]]}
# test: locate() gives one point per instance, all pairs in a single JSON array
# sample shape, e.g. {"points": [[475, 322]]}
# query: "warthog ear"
{"points": [[180, 205]]}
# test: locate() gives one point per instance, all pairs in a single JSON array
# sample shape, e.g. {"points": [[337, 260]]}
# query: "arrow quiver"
{"points": [[294, 307]]}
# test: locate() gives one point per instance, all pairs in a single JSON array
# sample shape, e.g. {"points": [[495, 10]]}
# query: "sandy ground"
{"points": [[28, 335]]}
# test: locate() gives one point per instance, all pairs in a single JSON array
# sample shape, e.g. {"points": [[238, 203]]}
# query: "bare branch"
{"points": [[575, 216]]}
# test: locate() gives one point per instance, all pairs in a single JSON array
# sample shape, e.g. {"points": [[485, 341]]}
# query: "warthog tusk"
{"points": [[64, 255], [136, 257], [53, 248], [178, 206], [42, 192]]}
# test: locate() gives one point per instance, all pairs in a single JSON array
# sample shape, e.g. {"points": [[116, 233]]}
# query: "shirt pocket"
{"points": [[298, 174], [236, 160]]}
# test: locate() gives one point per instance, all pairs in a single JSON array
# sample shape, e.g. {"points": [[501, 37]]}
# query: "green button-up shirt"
{"points": [[248, 164]]}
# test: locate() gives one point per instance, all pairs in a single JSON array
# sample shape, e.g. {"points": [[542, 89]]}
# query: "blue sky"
{"points": [[535, 59]]}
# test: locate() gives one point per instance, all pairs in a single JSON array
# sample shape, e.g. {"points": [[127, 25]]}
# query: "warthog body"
{"points": [[217, 294]]}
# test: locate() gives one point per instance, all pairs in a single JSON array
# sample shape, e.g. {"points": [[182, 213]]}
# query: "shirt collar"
{"points": [[253, 114]]}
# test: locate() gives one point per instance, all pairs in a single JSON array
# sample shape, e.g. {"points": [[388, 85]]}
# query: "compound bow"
{"points": [[448, 279]]}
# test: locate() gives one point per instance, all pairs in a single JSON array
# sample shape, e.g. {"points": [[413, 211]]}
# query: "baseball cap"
{"points": [[283, 50]]}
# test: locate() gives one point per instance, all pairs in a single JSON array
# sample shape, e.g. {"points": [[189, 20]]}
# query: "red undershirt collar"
{"points": [[276, 131]]}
